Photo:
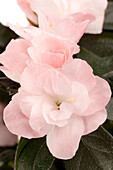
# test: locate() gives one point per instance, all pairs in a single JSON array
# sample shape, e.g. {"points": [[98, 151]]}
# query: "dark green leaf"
{"points": [[4, 96], [33, 154], [5, 36], [8, 85], [100, 65], [95, 152], [108, 23], [110, 109], [101, 45]]}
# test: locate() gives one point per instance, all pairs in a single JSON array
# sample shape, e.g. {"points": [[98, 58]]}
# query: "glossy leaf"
{"points": [[5, 36], [100, 66], [95, 152], [100, 44], [33, 154]]}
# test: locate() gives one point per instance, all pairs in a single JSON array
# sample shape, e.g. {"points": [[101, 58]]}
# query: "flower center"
{"points": [[58, 103]]}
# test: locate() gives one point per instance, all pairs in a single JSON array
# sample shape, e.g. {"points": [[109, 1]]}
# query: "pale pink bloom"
{"points": [[15, 58], [37, 46], [70, 27], [6, 137], [63, 104], [64, 8]]}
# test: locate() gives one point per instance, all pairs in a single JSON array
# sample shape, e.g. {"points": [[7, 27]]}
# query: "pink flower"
{"points": [[30, 14], [6, 137], [15, 58], [63, 104], [64, 8], [37, 46], [71, 27]]}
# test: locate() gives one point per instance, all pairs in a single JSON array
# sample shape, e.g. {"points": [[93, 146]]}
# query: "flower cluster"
{"points": [[59, 96]]}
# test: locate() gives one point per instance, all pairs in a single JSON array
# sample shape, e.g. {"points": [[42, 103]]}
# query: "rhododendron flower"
{"points": [[37, 46], [71, 27], [6, 137], [63, 8], [64, 104]]}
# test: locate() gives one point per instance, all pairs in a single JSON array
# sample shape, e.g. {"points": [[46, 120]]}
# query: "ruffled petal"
{"points": [[99, 96], [49, 110], [43, 79], [16, 121], [14, 59], [92, 122], [37, 121], [80, 98], [63, 142], [80, 71]]}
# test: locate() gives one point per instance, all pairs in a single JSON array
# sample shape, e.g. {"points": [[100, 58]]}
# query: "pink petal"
{"points": [[50, 43], [65, 112], [53, 59], [80, 17], [16, 121], [80, 71], [81, 96], [26, 103], [25, 5], [97, 8], [92, 122], [74, 30], [25, 32], [42, 6], [37, 121], [99, 96], [63, 142], [49, 107], [39, 78], [14, 59]]}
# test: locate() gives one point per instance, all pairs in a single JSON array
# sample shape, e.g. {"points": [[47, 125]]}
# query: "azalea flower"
{"points": [[55, 9], [37, 46], [6, 137], [64, 104]]}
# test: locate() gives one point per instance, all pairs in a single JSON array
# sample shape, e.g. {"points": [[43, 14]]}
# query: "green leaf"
{"points": [[110, 109], [101, 44], [5, 36], [4, 96], [33, 154], [108, 23], [8, 85], [100, 66], [95, 152]]}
